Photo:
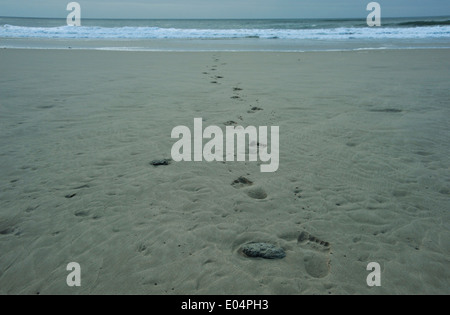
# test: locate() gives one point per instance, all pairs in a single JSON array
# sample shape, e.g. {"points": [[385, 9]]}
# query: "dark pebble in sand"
{"points": [[263, 250], [70, 196], [160, 162]]}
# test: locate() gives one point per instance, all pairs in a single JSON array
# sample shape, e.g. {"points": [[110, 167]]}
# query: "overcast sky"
{"points": [[224, 8]]}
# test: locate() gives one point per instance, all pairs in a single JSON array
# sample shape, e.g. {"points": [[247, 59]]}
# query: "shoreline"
{"points": [[222, 45], [125, 49]]}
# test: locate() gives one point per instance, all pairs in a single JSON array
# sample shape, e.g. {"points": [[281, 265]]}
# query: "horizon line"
{"points": [[274, 18]]}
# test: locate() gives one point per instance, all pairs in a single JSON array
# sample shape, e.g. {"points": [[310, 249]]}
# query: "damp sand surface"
{"points": [[363, 174]]}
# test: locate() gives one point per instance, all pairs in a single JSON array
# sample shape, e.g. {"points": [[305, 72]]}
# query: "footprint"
{"points": [[45, 106], [31, 208], [306, 237], [399, 193], [257, 193], [142, 248], [386, 110], [317, 258], [241, 182], [8, 231], [297, 192], [254, 109], [82, 213], [423, 153], [317, 266], [82, 186]]}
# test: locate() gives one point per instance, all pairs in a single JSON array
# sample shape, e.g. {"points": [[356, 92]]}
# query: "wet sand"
{"points": [[363, 174]]}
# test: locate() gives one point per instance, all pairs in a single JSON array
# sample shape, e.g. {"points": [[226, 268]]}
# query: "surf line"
{"points": [[213, 150]]}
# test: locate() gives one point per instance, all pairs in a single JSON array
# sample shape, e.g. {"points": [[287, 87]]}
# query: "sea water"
{"points": [[226, 35]]}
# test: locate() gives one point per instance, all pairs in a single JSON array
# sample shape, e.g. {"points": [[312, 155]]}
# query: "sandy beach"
{"points": [[364, 172]]}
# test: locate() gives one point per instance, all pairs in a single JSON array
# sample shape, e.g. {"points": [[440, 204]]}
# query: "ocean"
{"points": [[226, 35]]}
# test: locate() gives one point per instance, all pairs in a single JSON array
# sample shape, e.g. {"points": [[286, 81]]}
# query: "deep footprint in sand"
{"points": [[317, 260], [255, 193], [8, 231], [241, 182], [305, 236], [316, 265], [254, 109], [230, 123]]}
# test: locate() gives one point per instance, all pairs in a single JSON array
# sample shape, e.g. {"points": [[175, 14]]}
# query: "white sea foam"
{"points": [[89, 32]]}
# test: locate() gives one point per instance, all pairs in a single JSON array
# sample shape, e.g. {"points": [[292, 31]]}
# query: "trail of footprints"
{"points": [[316, 251], [241, 182], [215, 79]]}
